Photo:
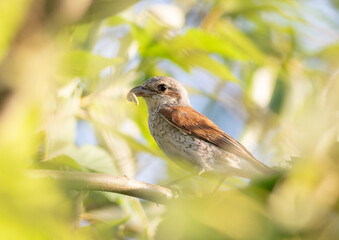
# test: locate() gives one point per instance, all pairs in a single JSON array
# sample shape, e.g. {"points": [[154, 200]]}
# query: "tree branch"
{"points": [[107, 183]]}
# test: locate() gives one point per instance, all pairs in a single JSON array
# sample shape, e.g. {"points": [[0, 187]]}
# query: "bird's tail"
{"points": [[256, 169]]}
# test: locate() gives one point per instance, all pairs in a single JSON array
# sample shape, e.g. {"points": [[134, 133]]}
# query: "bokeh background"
{"points": [[266, 71]]}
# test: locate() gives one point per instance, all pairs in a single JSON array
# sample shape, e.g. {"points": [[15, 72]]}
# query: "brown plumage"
{"points": [[194, 123]]}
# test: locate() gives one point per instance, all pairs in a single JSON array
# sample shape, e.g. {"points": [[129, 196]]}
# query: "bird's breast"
{"points": [[180, 146]]}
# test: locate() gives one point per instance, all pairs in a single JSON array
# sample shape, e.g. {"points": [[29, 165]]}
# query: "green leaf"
{"points": [[206, 42], [241, 41], [60, 133], [222, 217], [330, 53], [62, 160], [137, 146], [103, 230], [94, 158], [141, 119], [86, 64], [116, 20], [213, 66]]}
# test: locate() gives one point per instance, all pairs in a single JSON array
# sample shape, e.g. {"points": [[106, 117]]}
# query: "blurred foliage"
{"points": [[65, 69]]}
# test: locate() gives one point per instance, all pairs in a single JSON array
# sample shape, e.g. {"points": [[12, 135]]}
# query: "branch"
{"points": [[107, 183]]}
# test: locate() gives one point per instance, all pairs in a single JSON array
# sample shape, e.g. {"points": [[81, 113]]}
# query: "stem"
{"points": [[107, 183]]}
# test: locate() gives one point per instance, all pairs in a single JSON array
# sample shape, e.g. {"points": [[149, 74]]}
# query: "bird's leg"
{"points": [[218, 185], [201, 171]]}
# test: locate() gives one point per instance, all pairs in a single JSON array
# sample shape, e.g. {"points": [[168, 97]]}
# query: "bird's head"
{"points": [[161, 90]]}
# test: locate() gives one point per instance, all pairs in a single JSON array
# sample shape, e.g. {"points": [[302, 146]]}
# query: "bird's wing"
{"points": [[194, 123]]}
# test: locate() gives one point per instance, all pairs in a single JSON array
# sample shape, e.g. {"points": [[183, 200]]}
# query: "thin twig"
{"points": [[107, 183]]}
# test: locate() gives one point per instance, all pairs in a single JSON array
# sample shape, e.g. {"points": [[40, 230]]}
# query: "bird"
{"points": [[189, 138]]}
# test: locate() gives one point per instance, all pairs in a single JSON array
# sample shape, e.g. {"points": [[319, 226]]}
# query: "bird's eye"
{"points": [[162, 87]]}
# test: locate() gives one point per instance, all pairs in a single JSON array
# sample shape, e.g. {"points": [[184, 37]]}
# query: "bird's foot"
{"points": [[176, 191]]}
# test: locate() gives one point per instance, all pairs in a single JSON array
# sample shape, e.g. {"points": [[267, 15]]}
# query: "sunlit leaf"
{"points": [[86, 64], [104, 230], [213, 66], [61, 160], [116, 20], [228, 31], [229, 215], [94, 158], [206, 42]]}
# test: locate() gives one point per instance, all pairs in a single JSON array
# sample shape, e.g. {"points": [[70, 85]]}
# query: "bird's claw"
{"points": [[176, 192]]}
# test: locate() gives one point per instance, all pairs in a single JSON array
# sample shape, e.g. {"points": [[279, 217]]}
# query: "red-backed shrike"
{"points": [[190, 138]]}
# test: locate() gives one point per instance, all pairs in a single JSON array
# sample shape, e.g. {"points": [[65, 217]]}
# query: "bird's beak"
{"points": [[141, 92]]}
